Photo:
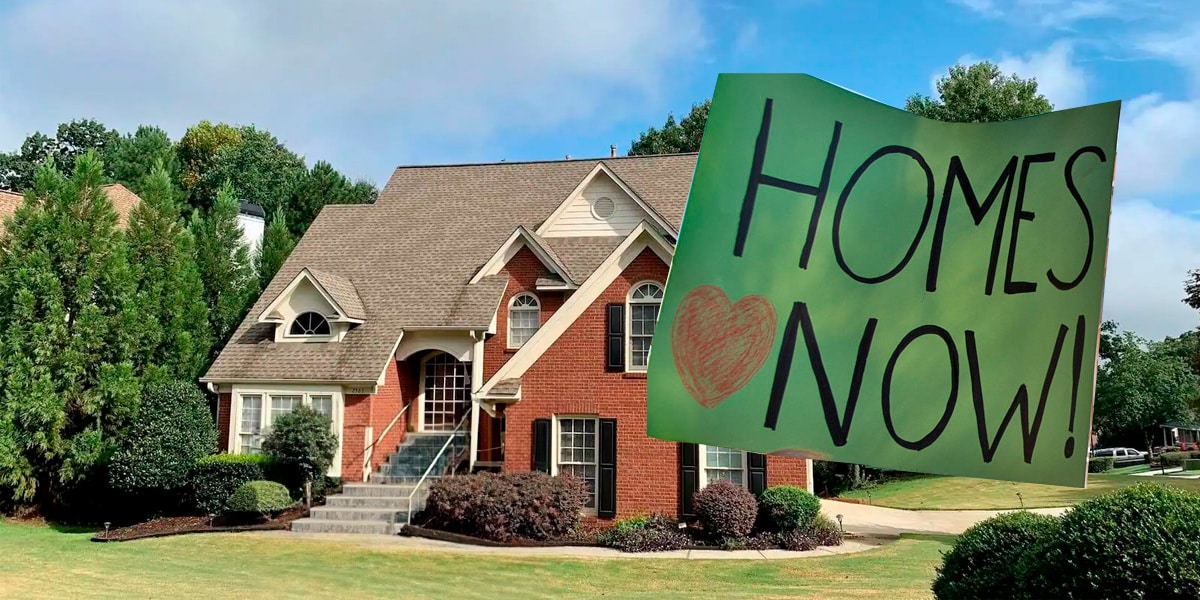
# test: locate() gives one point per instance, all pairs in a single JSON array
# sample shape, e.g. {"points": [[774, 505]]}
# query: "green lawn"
{"points": [[43, 563], [956, 493]]}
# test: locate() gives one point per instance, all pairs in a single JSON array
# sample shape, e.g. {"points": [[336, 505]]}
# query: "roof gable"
{"points": [[337, 292], [586, 213], [523, 238]]}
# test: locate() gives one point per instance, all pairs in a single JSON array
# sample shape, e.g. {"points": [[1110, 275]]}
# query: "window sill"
{"points": [[633, 375]]}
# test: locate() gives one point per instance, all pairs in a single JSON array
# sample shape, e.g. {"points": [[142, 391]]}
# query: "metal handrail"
{"points": [[417, 488], [369, 451]]}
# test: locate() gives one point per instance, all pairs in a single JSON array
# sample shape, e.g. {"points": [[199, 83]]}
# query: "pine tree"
{"points": [[175, 339], [67, 335], [225, 268], [277, 244]]}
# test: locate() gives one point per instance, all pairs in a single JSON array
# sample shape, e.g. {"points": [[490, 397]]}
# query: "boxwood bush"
{"points": [[172, 430], [1140, 542], [503, 506], [785, 507], [725, 510], [302, 447], [1100, 464], [260, 497], [1173, 459], [217, 477], [988, 559]]}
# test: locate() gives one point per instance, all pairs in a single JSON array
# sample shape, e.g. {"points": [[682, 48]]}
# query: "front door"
{"points": [[447, 383]]}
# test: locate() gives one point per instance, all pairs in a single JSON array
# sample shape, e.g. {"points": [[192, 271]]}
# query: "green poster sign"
{"points": [[856, 283]]}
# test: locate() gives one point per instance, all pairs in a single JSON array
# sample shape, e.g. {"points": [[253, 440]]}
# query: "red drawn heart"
{"points": [[719, 346]]}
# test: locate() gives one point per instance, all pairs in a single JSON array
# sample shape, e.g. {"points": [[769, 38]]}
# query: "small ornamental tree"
{"points": [[301, 443], [171, 432]]}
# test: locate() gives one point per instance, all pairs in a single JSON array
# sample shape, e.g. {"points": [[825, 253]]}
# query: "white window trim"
{"points": [[421, 383], [703, 466], [555, 442], [537, 304], [629, 303], [306, 391]]}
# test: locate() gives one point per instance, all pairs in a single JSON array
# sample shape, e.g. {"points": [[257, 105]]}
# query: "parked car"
{"points": [[1122, 456]]}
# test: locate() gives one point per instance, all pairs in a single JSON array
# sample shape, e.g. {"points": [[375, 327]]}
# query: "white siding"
{"points": [[303, 299], [252, 231], [577, 219]]}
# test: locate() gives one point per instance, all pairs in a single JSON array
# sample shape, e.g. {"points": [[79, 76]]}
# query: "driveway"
{"points": [[864, 519]]}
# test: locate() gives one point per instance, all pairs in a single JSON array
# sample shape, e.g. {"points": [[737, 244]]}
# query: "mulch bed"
{"points": [[191, 524], [458, 538]]}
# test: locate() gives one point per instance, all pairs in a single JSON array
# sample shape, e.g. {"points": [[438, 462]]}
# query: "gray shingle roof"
{"points": [[411, 255], [343, 292]]}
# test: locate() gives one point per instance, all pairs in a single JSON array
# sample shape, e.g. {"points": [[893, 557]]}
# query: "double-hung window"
{"points": [[260, 411], [723, 464], [645, 301], [251, 424], [578, 453]]}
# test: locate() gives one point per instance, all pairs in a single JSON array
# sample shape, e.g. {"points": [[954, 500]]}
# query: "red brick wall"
{"points": [[384, 405], [355, 419], [570, 378], [224, 403], [523, 271]]}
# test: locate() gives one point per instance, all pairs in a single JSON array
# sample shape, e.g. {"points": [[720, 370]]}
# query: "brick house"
{"points": [[505, 309]]}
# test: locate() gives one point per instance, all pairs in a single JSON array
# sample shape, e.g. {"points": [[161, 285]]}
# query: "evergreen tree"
{"points": [[175, 339], [67, 335], [225, 268], [136, 156], [277, 244], [320, 186]]}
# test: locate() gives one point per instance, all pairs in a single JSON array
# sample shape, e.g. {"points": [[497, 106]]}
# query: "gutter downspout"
{"points": [[476, 383]]}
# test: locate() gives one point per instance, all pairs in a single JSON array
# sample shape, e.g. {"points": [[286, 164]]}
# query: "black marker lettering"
{"points": [[757, 178], [1029, 431], [1019, 214], [1069, 175], [978, 212], [841, 206], [937, 430]]}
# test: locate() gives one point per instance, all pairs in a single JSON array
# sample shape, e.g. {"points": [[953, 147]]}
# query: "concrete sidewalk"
{"points": [[869, 520]]}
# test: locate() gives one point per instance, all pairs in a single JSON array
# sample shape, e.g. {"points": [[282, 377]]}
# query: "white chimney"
{"points": [[612, 151]]}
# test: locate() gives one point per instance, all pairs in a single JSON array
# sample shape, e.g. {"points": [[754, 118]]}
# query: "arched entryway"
{"points": [[445, 391]]}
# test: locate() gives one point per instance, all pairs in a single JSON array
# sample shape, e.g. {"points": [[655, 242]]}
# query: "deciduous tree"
{"points": [[673, 138], [978, 93]]}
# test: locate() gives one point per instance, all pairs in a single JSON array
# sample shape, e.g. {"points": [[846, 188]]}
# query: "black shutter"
{"points": [[615, 360], [689, 478], [758, 472], [541, 445], [606, 481]]}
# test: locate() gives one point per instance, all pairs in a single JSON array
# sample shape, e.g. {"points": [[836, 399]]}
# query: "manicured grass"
{"points": [[959, 493], [44, 563]]}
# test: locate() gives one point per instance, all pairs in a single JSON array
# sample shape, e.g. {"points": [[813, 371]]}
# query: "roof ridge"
{"points": [[545, 161]]}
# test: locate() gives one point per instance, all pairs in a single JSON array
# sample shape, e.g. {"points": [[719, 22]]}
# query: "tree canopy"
{"points": [[673, 137], [978, 93], [1141, 385]]}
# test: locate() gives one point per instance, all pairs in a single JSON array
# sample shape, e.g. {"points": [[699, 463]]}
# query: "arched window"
{"points": [[447, 391], [309, 323], [645, 300], [524, 318]]}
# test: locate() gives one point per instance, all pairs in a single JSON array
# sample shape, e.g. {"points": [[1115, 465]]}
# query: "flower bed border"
{"points": [[274, 526], [459, 538]]}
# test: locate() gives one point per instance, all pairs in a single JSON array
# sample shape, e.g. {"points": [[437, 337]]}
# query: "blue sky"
{"points": [[368, 85]]}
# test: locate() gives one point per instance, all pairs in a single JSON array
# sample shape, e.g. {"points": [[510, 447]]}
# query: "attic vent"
{"points": [[603, 208]]}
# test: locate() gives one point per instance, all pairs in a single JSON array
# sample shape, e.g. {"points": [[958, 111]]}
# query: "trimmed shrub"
{"points": [[785, 507], [302, 445], [1140, 542], [217, 477], [988, 558], [502, 506], [1100, 464], [763, 540], [1173, 459], [260, 497], [725, 510], [651, 533], [172, 430]]}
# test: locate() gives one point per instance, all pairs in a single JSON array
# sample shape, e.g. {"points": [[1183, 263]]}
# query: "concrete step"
{"points": [[400, 480], [398, 502], [310, 525], [340, 513], [377, 490]]}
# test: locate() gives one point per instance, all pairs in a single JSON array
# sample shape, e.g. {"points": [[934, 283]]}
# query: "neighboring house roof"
{"points": [[412, 255], [123, 201], [253, 210]]}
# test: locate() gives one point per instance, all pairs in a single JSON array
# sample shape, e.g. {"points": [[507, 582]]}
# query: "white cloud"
{"points": [[1063, 83], [407, 79], [1150, 252], [1054, 14], [986, 8], [1157, 147]]}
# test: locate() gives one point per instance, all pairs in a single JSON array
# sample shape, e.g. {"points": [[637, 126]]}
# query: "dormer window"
{"points": [[309, 324]]}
